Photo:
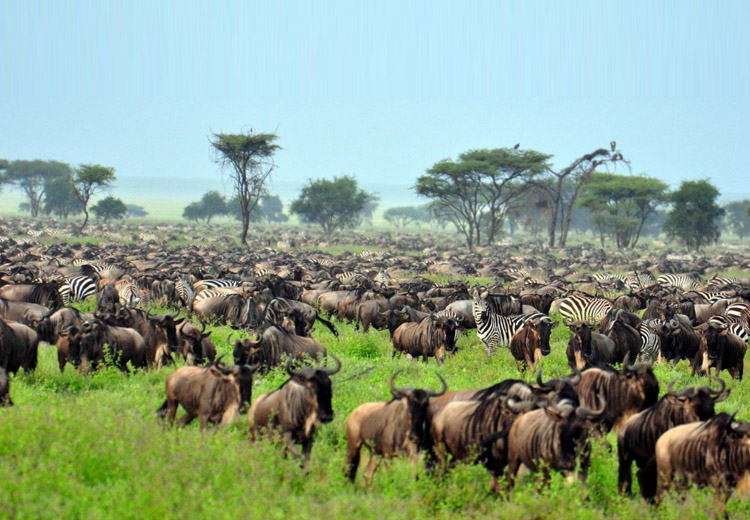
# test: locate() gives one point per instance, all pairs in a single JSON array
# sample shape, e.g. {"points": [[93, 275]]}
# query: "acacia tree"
{"points": [[249, 160], [109, 208], [475, 191], [332, 203], [620, 204], [60, 197], [562, 194], [695, 216], [89, 180], [31, 176], [738, 217]]}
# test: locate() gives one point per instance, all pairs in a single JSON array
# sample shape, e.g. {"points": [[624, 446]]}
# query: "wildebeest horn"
{"points": [[671, 385], [331, 371], [718, 392], [396, 391], [539, 376], [442, 391], [626, 362], [575, 377], [588, 413], [229, 337], [173, 316], [515, 405]]}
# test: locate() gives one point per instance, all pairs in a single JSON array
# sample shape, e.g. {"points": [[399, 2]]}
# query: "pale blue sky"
{"points": [[380, 90]]}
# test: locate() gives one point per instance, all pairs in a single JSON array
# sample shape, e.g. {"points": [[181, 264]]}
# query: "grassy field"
{"points": [[91, 447]]}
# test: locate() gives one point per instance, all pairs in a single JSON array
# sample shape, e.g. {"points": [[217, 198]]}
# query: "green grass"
{"points": [[91, 447]]}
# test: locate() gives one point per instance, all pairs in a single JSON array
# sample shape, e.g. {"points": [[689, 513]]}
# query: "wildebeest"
{"points": [[714, 453], [627, 391], [231, 308], [214, 394], [296, 407], [555, 436], [41, 293], [273, 345], [526, 345], [680, 341], [125, 345], [636, 440], [23, 312], [430, 337], [587, 348], [194, 344], [721, 349], [108, 301], [19, 345], [372, 312], [4, 388], [389, 428]]}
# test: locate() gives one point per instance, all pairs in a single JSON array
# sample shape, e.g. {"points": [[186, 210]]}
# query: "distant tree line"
{"points": [[213, 204]]}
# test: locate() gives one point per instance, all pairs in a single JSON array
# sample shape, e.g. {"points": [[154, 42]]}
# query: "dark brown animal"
{"points": [[713, 453], [194, 344], [41, 293], [371, 313], [431, 337], [721, 349], [390, 428], [19, 345], [526, 345], [636, 440], [213, 394], [273, 346], [4, 388], [587, 348], [627, 391], [296, 408], [125, 345]]}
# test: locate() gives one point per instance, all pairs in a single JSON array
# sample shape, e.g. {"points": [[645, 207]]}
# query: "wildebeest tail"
{"points": [[329, 325]]}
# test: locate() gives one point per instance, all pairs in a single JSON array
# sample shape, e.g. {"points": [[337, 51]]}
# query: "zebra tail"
{"points": [[329, 325]]}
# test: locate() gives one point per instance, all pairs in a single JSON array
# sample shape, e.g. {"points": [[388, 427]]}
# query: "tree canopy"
{"points": [[402, 216], [695, 216], [249, 159], [110, 208], [31, 176], [60, 197], [90, 179], [332, 204], [620, 204], [738, 217], [474, 191]]}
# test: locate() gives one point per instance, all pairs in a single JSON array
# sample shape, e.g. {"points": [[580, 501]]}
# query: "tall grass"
{"points": [[91, 447]]}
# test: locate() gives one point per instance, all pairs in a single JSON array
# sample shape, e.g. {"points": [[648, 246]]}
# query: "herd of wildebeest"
{"points": [[623, 318]]}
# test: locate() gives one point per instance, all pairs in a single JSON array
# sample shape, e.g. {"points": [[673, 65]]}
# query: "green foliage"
{"points": [[620, 204], [89, 180], [110, 208], [332, 204], [738, 217], [475, 191], [402, 216], [695, 215], [60, 197], [249, 159], [135, 210], [31, 176]]}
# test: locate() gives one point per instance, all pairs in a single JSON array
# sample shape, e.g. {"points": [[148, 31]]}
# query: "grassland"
{"points": [[91, 447]]}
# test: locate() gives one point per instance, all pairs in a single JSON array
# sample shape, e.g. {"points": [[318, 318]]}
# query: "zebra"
{"points": [[686, 282], [129, 294], [495, 330], [733, 327], [185, 292], [721, 281], [739, 312], [205, 294], [348, 277], [650, 341], [76, 289], [584, 308], [383, 278], [213, 283]]}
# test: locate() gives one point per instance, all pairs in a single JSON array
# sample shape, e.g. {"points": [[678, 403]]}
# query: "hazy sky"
{"points": [[380, 90]]}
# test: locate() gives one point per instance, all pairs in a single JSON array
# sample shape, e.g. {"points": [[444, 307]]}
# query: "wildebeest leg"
{"points": [[624, 475], [352, 461], [513, 466], [185, 419], [372, 466], [306, 450], [519, 366], [647, 479], [62, 358], [291, 447]]}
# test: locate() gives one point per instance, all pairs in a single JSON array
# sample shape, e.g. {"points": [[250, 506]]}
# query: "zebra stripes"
{"points": [[738, 329], [495, 330], [129, 294], [215, 283], [587, 309], [686, 282], [650, 342], [185, 292], [76, 289]]}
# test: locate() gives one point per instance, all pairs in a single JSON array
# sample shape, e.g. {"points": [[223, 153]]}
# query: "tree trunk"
{"points": [[85, 219], [245, 225]]}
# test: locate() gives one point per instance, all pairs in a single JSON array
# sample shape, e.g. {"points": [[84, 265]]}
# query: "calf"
{"points": [[526, 345]]}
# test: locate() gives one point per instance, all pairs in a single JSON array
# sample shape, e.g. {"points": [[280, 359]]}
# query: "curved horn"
{"points": [[173, 316], [671, 385], [587, 413], [229, 337], [626, 362], [442, 391], [575, 377], [516, 406], [718, 392], [203, 327], [400, 392], [331, 371], [539, 376]]}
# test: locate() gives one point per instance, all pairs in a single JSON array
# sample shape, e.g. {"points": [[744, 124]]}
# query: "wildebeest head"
{"points": [[168, 324], [417, 401], [557, 389], [641, 382], [700, 400], [318, 381], [579, 344], [394, 318], [243, 376], [246, 350], [577, 423], [192, 342]]}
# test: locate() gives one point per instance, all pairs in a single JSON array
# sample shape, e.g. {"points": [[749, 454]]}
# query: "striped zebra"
{"points": [[739, 312], [348, 277], [185, 292], [650, 341], [721, 281], [383, 278], [686, 282], [205, 294], [587, 309], [214, 283], [738, 329], [76, 289], [129, 294], [495, 330]]}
